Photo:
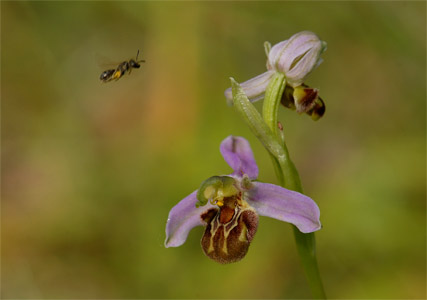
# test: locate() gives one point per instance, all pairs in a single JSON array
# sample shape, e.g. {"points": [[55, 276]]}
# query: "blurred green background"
{"points": [[91, 170]]}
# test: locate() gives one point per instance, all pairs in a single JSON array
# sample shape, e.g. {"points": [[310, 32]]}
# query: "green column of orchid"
{"points": [[290, 179]]}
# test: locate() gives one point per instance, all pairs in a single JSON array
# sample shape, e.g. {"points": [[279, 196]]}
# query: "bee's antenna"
{"points": [[142, 60]]}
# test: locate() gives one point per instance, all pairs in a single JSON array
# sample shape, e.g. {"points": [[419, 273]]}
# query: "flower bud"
{"points": [[297, 56]]}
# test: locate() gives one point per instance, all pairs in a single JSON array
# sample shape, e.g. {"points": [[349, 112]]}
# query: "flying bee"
{"points": [[121, 69]]}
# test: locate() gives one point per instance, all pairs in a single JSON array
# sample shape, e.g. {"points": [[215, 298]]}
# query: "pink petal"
{"points": [[182, 218], [285, 205], [238, 154]]}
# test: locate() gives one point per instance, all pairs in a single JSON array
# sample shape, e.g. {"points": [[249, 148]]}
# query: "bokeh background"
{"points": [[91, 170]]}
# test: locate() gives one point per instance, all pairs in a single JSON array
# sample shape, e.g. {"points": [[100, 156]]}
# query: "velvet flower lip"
{"points": [[229, 206], [296, 58]]}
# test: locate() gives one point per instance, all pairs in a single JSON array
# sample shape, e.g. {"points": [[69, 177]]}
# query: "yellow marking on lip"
{"points": [[211, 248], [224, 247], [243, 237]]}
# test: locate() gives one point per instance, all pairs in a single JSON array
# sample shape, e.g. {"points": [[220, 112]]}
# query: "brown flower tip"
{"points": [[318, 109], [305, 100]]}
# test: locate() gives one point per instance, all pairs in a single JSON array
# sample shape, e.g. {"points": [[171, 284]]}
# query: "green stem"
{"points": [[290, 179], [278, 170], [269, 110]]}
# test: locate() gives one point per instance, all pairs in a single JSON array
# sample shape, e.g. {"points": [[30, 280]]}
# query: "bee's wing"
{"points": [[105, 62]]}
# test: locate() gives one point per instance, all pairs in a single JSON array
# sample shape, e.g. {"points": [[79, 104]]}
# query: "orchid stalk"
{"points": [[229, 206], [289, 62]]}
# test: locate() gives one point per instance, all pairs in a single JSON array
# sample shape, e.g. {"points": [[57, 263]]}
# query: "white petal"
{"points": [[254, 88]]}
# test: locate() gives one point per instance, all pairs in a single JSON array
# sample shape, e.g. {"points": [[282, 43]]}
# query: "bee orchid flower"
{"points": [[229, 206], [295, 57]]}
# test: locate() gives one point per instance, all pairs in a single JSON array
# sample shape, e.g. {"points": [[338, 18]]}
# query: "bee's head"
{"points": [[135, 64]]}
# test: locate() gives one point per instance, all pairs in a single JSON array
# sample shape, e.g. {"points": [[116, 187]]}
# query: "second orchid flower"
{"points": [[295, 58]]}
